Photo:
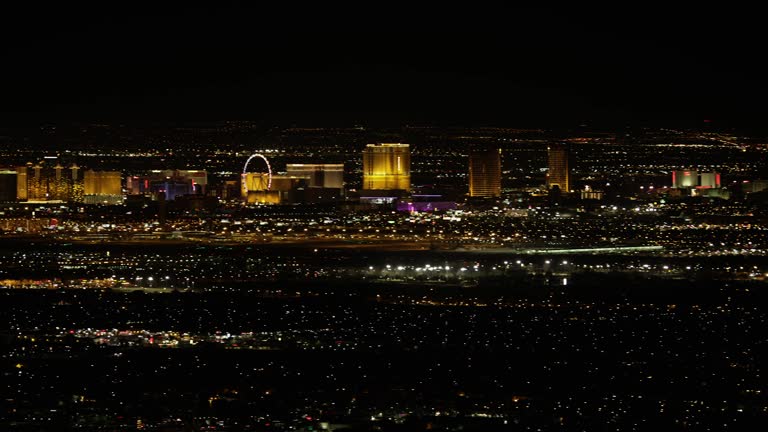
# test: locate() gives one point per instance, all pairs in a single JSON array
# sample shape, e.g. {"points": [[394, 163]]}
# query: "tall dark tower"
{"points": [[8, 185], [559, 173], [485, 173]]}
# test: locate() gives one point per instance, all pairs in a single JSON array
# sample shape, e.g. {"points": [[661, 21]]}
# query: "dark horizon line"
{"points": [[302, 121]]}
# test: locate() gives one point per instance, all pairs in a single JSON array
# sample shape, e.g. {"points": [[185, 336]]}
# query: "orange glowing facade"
{"points": [[41, 182], [21, 183], [102, 187], [318, 175], [252, 182], [263, 188], [559, 173], [387, 167], [102, 183], [485, 174]]}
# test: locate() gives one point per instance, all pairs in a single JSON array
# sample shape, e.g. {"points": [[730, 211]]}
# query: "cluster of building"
{"points": [[43, 182], [301, 183], [699, 183], [168, 184], [386, 179]]}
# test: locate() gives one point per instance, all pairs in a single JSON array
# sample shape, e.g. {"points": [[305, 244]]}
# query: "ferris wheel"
{"points": [[266, 162]]}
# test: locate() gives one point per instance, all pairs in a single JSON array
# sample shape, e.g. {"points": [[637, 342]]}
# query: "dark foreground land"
{"points": [[526, 350]]}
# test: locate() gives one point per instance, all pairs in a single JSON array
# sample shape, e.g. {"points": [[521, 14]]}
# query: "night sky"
{"points": [[519, 67]]}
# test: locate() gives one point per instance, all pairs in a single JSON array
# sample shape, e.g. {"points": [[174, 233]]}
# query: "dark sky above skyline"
{"points": [[508, 67]]}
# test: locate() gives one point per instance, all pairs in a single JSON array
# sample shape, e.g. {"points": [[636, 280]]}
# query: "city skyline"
{"points": [[189, 300], [321, 218], [348, 174]]}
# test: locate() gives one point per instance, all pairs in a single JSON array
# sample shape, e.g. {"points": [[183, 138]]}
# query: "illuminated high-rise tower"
{"points": [[559, 173], [685, 179], [78, 188], [37, 189], [485, 174], [22, 187], [318, 175], [102, 187], [59, 186], [387, 167]]}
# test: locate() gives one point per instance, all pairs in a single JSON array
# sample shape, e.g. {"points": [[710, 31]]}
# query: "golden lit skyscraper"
{"points": [[78, 188], [485, 173], [102, 183], [559, 173], [21, 183], [387, 166], [59, 186], [319, 175], [37, 189], [102, 187]]}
